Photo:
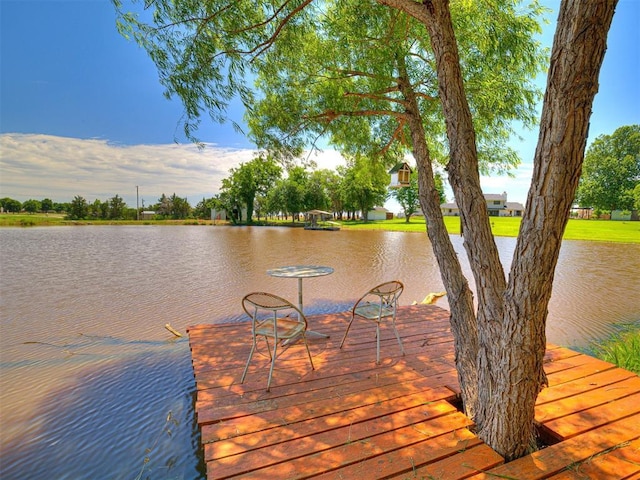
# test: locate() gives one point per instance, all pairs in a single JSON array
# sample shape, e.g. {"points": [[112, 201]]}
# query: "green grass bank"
{"points": [[52, 220], [589, 230], [621, 349]]}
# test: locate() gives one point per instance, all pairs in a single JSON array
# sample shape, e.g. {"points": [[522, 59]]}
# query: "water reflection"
{"points": [[89, 374], [129, 419]]}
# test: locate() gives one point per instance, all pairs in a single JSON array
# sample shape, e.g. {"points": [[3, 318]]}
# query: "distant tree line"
{"points": [[264, 188], [10, 205], [115, 208], [610, 177]]}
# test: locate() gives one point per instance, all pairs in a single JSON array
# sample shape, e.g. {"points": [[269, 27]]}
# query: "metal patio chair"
{"points": [[377, 304], [276, 318]]}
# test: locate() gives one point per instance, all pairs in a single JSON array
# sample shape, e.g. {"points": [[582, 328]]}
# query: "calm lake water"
{"points": [[93, 386]]}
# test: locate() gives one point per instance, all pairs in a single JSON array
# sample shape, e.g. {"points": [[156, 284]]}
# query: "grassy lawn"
{"points": [[42, 220], [26, 220], [593, 230]]}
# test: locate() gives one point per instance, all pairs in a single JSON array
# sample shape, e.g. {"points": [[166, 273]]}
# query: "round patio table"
{"points": [[300, 272]]}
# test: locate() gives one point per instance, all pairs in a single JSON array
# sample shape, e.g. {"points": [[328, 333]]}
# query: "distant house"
{"points": [[450, 209], [378, 213], [513, 209], [624, 215], [147, 215], [238, 214], [496, 203], [417, 213], [497, 206], [400, 175], [581, 212]]}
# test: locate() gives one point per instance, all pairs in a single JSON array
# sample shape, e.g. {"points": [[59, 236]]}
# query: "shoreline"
{"points": [[608, 231]]}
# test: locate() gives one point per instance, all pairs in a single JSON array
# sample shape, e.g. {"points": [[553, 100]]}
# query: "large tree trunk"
{"points": [[578, 51], [463, 319], [511, 317], [464, 178]]}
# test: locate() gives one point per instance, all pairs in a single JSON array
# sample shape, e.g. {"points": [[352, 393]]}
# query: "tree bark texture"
{"points": [[464, 175], [464, 178], [578, 51], [462, 319], [511, 316]]}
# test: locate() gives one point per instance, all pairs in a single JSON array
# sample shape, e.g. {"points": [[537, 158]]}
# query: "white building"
{"points": [[378, 213], [497, 206]]}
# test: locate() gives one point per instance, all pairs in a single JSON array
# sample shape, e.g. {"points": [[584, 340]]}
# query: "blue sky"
{"points": [[82, 111]]}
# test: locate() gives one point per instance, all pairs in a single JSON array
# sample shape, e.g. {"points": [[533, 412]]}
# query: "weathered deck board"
{"points": [[570, 454], [621, 462], [351, 419]]}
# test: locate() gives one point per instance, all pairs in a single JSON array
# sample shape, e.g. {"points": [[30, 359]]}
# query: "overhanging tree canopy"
{"points": [[402, 63]]}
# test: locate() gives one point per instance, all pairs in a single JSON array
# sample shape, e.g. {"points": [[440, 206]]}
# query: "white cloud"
{"points": [[44, 166], [329, 159]]}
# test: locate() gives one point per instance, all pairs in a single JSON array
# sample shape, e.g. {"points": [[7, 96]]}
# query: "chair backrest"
{"points": [[257, 304], [389, 292]]}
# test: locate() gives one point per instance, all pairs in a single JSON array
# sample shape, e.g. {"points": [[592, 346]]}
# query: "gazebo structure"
{"points": [[319, 220]]}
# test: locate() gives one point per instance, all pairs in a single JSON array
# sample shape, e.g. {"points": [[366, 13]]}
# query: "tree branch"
{"points": [[331, 115], [397, 135], [376, 97], [262, 47]]}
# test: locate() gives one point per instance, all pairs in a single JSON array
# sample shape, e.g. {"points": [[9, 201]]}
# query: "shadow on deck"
{"points": [[352, 419]]}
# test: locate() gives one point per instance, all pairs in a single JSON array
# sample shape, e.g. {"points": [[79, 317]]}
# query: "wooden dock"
{"points": [[352, 419]]}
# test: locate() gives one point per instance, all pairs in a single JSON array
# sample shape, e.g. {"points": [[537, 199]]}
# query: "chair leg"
{"points": [[246, 367], [395, 330], [304, 339], [399, 341], [347, 331], [266, 339], [378, 343], [273, 362]]}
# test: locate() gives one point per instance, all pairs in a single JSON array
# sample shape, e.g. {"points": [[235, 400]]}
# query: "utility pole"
{"points": [[137, 205]]}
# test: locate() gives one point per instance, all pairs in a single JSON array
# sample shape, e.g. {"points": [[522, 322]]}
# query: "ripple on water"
{"points": [[89, 373], [112, 417]]}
